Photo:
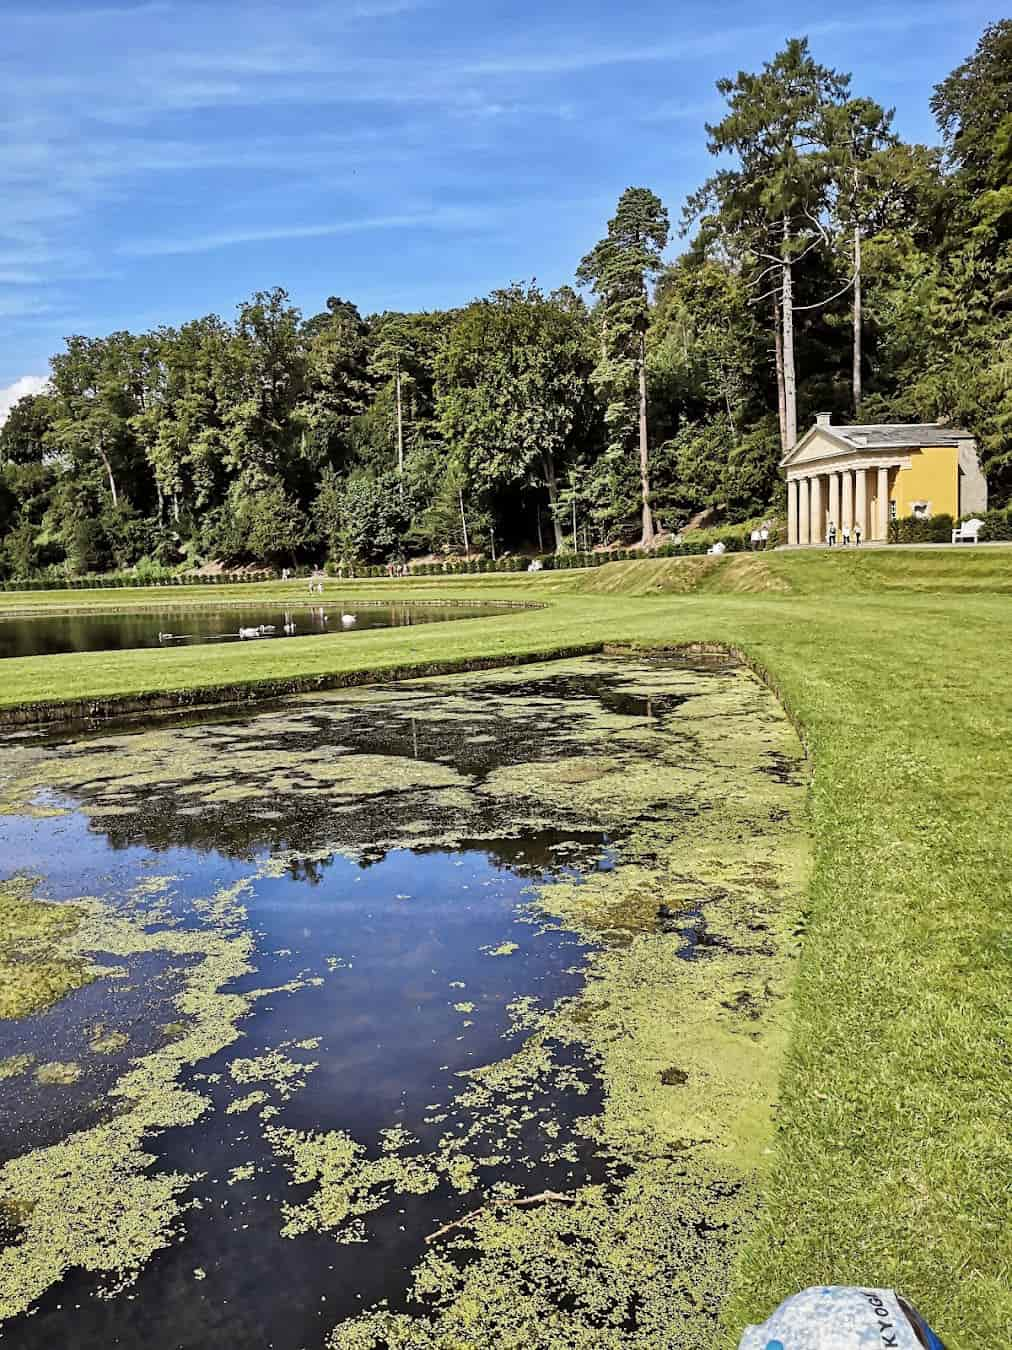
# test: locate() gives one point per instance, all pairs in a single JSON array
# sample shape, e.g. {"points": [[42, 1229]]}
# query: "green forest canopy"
{"points": [[827, 266]]}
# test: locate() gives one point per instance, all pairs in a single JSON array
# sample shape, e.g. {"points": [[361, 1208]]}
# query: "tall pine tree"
{"points": [[619, 269]]}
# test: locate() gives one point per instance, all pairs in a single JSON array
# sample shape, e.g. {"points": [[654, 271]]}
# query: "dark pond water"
{"points": [[45, 634], [387, 864], [398, 945]]}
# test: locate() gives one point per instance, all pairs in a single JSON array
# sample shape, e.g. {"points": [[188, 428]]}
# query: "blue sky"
{"points": [[164, 160]]}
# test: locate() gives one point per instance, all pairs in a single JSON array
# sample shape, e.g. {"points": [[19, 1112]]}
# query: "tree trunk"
{"points": [[576, 546], [108, 469], [727, 405], [648, 520], [541, 537], [857, 320], [400, 429], [548, 465], [175, 507], [463, 521], [161, 502], [790, 382], [778, 346]]}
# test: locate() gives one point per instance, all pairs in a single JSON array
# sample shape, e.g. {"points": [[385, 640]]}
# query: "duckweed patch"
{"points": [[57, 1073], [286, 1076], [36, 969], [696, 830], [15, 1065], [611, 1270], [348, 1184], [107, 1042], [663, 864], [92, 1201]]}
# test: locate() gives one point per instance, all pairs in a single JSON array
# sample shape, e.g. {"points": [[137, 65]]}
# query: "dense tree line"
{"points": [[826, 265]]}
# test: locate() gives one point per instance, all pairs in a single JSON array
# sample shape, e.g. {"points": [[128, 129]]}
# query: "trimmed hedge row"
{"points": [[550, 562], [113, 580], [733, 543], [997, 525], [915, 530]]}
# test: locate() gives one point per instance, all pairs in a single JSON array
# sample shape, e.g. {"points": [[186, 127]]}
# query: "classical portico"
{"points": [[855, 495], [849, 475]]}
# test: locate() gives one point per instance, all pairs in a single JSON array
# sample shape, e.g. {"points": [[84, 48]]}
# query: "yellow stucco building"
{"points": [[867, 475]]}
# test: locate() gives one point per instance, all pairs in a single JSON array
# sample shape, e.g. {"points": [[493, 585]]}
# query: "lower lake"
{"points": [[441, 1013], [169, 626]]}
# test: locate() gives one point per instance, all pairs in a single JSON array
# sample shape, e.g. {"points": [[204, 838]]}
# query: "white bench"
{"points": [[967, 532]]}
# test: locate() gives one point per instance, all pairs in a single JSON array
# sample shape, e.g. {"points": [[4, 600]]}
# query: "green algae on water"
{"points": [[58, 1073], [105, 1041], [37, 968], [503, 949], [15, 1065], [684, 1020], [667, 1060], [286, 1076], [92, 1200]]}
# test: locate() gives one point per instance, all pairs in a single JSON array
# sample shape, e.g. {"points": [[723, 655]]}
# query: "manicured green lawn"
{"points": [[894, 1149]]}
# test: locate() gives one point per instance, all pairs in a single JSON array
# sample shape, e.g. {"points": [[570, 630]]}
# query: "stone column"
{"points": [[847, 509], [834, 499], [792, 510], [883, 505], [861, 502], [803, 514], [818, 520]]}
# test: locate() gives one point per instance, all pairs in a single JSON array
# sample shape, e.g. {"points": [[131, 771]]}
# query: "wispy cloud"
{"points": [[84, 15], [696, 111], [87, 16], [23, 305], [571, 56], [19, 277], [436, 219], [179, 128]]}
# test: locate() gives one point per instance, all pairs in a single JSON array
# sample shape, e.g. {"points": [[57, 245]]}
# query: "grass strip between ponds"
{"points": [[894, 1145]]}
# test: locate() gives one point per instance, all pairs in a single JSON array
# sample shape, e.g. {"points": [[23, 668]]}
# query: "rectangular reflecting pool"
{"points": [[440, 1013]]}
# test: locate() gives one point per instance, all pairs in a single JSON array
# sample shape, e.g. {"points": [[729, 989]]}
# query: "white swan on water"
{"points": [[249, 632], [347, 620]]}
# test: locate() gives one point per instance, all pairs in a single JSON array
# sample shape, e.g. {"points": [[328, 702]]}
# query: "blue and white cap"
{"points": [[837, 1317]]}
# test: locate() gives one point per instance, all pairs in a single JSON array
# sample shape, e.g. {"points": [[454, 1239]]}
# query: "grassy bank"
{"points": [[720, 600], [893, 1150]]}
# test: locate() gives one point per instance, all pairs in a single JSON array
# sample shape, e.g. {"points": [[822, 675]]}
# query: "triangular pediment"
{"points": [[817, 443]]}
